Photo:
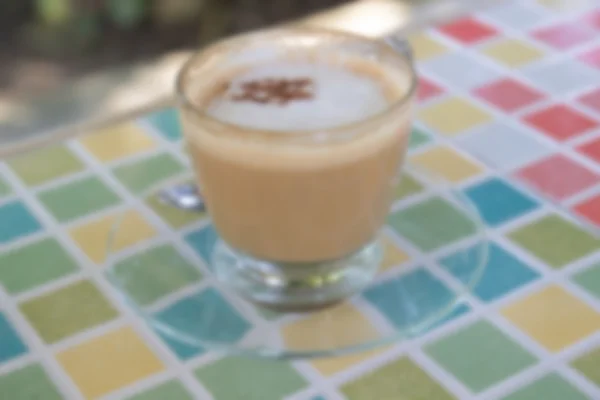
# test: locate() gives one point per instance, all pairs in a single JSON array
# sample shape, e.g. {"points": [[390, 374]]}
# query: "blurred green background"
{"points": [[84, 35]]}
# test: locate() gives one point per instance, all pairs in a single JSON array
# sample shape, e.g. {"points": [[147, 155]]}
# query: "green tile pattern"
{"points": [[254, 379], [589, 279], [34, 264], [78, 198], [172, 390], [28, 383], [5, 189], [551, 387], [407, 186], [480, 355], [46, 164], [589, 365], [144, 174], [66, 311], [556, 241], [432, 223], [401, 379], [149, 275], [417, 138]]}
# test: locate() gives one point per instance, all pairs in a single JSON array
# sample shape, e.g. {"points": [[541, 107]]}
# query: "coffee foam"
{"points": [[351, 89], [342, 93]]}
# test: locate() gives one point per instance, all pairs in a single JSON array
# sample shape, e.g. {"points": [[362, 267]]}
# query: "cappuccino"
{"points": [[298, 186], [296, 137], [295, 145]]}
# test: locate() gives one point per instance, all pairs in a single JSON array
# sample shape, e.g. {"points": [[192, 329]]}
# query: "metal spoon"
{"points": [[184, 196]]}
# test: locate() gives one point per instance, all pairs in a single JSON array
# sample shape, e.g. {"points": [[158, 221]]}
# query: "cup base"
{"points": [[296, 286]]}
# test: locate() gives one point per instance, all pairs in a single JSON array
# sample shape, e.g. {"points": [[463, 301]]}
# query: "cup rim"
{"points": [[184, 101]]}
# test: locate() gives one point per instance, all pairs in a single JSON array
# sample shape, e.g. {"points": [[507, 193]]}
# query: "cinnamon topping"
{"points": [[276, 90]]}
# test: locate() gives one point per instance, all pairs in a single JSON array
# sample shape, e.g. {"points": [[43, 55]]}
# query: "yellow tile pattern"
{"points": [[92, 237], [453, 116], [117, 142], [445, 163], [392, 254], [109, 362], [553, 317], [513, 53], [345, 325], [425, 47], [564, 5]]}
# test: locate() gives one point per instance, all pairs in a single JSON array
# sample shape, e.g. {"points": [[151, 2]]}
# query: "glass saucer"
{"points": [[435, 252]]}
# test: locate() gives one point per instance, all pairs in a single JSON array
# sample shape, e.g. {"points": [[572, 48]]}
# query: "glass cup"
{"points": [[297, 213]]}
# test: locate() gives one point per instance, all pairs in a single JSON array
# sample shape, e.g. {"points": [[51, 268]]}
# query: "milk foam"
{"points": [[341, 96]]}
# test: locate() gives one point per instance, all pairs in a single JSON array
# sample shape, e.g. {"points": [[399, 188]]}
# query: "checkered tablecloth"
{"points": [[509, 113]]}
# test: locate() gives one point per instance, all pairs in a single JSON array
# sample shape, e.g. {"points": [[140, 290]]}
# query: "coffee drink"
{"points": [[297, 143]]}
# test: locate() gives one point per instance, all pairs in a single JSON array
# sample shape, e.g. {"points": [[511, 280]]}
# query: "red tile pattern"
{"points": [[558, 177], [508, 95], [591, 150], [468, 30], [428, 89], [593, 19], [590, 209], [560, 122], [565, 36], [591, 100], [591, 57]]}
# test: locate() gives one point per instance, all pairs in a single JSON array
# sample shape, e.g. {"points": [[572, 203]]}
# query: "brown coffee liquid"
{"points": [[298, 199]]}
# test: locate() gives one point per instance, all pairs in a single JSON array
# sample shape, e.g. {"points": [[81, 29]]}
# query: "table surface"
{"points": [[509, 113]]}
